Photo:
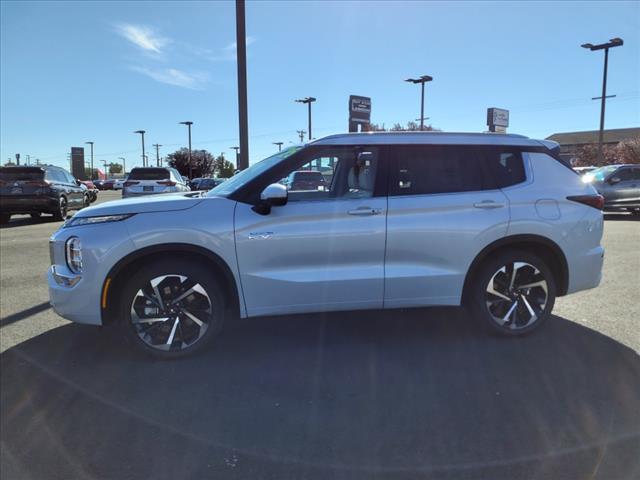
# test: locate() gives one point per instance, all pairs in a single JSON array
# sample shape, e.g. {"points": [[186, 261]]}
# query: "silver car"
{"points": [[152, 180], [619, 185], [491, 221]]}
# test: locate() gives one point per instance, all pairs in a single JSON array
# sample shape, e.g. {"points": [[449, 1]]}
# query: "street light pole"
{"points": [[308, 101], [144, 157], [188, 124], [91, 173], [241, 60], [279, 144], [614, 42], [422, 80], [237, 154], [157, 154], [124, 166]]}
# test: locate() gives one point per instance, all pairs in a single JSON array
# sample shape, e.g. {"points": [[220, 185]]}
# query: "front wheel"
{"points": [[171, 309], [513, 293]]}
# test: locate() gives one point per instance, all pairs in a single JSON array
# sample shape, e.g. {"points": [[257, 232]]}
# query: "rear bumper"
{"points": [[585, 270], [27, 204], [127, 194]]}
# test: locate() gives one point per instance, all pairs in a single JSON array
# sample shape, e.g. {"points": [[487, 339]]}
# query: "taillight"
{"points": [[130, 184], [168, 183], [595, 201]]}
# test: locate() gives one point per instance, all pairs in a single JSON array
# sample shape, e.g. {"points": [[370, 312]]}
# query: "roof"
{"points": [[427, 138], [591, 136]]}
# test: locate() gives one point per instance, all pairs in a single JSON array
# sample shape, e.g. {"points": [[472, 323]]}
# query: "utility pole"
{"points": [[157, 154], [301, 135], [614, 42], [241, 56], [144, 157], [237, 154], [421, 80], [188, 124], [91, 173], [279, 144], [124, 168], [308, 101]]}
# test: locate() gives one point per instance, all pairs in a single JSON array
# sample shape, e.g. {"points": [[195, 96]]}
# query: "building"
{"points": [[570, 142]]}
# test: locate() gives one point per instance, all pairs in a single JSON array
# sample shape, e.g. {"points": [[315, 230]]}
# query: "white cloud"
{"points": [[143, 37], [173, 76]]}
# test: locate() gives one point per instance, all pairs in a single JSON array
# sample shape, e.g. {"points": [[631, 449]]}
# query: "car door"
{"points": [[324, 249], [626, 190], [442, 210]]}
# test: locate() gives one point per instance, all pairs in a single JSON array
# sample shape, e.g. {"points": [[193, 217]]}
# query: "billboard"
{"points": [[359, 111], [497, 119], [77, 163]]}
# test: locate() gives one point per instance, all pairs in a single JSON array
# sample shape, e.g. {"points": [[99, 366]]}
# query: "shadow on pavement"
{"points": [[16, 317], [388, 394]]}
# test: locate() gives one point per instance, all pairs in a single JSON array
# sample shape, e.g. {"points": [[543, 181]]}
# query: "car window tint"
{"points": [[502, 168], [636, 174], [57, 176], [624, 174], [149, 174], [435, 169]]}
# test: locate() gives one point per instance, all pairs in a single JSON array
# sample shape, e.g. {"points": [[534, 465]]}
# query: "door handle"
{"points": [[364, 211], [488, 204]]}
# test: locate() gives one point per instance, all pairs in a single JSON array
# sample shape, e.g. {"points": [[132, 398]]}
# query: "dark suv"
{"points": [[38, 190]]}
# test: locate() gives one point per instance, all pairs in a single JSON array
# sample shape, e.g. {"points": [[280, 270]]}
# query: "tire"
{"points": [[85, 201], [36, 215], [4, 218], [61, 213], [178, 331], [518, 308]]}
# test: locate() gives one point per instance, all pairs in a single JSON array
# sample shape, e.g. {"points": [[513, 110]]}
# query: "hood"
{"points": [[166, 202]]}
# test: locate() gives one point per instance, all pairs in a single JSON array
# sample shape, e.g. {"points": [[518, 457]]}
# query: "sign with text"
{"points": [[77, 163], [359, 111], [496, 118]]}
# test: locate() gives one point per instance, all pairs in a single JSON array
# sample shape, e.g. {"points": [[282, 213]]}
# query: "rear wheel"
{"points": [[513, 293], [171, 309], [4, 218], [61, 212]]}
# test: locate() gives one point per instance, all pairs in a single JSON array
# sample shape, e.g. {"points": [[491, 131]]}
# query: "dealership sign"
{"points": [[359, 111], [497, 119]]}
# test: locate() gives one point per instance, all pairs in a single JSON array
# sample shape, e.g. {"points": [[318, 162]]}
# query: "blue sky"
{"points": [[78, 71]]}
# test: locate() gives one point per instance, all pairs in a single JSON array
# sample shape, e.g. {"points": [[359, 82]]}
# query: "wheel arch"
{"points": [[544, 247], [111, 285]]}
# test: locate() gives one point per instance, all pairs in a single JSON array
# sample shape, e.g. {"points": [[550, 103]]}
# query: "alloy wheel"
{"points": [[63, 208], [516, 295], [171, 312]]}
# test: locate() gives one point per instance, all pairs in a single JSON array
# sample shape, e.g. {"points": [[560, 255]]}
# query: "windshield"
{"points": [[239, 180], [599, 174]]}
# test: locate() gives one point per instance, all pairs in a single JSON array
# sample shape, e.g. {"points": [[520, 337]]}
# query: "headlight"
{"points": [[73, 251], [76, 222]]}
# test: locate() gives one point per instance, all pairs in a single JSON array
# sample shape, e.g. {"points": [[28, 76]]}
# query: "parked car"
{"points": [[38, 190], [91, 189], [193, 184], [305, 180], [118, 183], [619, 185], [153, 180], [209, 183], [409, 220], [99, 184]]}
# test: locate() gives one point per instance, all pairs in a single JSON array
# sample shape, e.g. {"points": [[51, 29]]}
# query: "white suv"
{"points": [[151, 180], [495, 222]]}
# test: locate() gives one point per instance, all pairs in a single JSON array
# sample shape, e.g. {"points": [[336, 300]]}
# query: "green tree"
{"points": [[222, 167], [202, 162], [115, 168]]}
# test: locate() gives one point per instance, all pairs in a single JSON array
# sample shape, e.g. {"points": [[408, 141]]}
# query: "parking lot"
{"points": [[390, 394]]}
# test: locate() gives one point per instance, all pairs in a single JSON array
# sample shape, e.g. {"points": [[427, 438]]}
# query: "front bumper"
{"points": [[72, 297]]}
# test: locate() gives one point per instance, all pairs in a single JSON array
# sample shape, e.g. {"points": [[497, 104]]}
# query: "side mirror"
{"points": [[614, 180], [275, 195]]}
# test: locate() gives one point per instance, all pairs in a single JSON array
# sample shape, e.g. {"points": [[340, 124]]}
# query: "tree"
{"points": [[587, 155], [628, 151], [115, 168], [222, 167], [202, 162], [9, 164]]}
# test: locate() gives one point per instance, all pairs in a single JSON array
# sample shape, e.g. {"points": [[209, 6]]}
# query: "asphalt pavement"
{"points": [[419, 393]]}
